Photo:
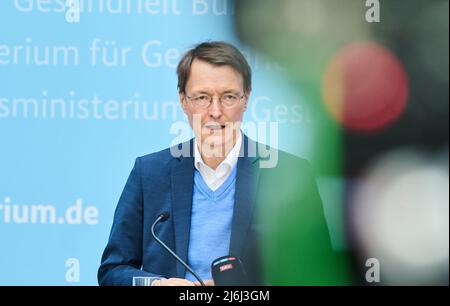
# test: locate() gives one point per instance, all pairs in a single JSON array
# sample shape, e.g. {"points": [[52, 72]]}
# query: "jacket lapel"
{"points": [[182, 183], [246, 186]]}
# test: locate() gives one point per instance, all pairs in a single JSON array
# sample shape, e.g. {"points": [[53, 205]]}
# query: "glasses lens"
{"points": [[204, 101], [201, 101]]}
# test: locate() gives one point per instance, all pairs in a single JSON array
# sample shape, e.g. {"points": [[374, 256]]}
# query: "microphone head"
{"points": [[164, 216], [228, 271]]}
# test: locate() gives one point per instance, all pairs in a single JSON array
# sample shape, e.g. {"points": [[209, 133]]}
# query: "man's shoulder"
{"points": [[166, 156], [281, 159], [289, 158], [156, 157]]}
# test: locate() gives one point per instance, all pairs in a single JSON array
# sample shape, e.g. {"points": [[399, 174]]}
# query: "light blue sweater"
{"points": [[212, 213]]}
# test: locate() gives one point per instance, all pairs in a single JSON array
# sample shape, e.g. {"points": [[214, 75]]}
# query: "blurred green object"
{"points": [[302, 36], [296, 245]]}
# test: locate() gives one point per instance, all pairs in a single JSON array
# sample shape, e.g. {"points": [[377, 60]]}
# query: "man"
{"points": [[213, 187]]}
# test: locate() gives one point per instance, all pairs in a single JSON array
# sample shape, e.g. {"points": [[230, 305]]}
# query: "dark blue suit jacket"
{"points": [[161, 182]]}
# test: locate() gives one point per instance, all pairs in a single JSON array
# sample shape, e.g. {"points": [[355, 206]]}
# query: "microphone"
{"points": [[228, 271], [164, 216]]}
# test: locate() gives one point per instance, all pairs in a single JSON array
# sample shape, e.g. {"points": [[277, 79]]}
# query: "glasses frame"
{"points": [[192, 99]]}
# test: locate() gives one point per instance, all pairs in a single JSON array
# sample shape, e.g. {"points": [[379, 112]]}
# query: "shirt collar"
{"points": [[230, 160]]}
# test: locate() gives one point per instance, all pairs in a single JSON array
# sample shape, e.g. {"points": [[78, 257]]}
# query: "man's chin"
{"points": [[216, 141], [213, 140]]}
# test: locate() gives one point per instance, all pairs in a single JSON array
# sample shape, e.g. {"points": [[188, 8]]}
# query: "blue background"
{"points": [[59, 160]]}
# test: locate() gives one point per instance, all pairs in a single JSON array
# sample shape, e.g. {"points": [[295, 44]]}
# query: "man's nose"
{"points": [[215, 109]]}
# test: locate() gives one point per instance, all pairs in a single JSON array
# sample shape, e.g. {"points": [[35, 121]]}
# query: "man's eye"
{"points": [[230, 97], [202, 98]]}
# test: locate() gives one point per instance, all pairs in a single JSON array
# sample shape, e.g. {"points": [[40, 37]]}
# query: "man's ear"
{"points": [[246, 99], [183, 102]]}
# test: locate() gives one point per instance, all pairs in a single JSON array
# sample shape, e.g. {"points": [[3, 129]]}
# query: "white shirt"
{"points": [[215, 178]]}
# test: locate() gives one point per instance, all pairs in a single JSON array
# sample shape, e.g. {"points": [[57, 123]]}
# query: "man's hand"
{"points": [[208, 282], [173, 282]]}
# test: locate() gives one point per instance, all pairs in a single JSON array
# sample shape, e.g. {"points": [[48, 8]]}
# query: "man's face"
{"points": [[217, 125]]}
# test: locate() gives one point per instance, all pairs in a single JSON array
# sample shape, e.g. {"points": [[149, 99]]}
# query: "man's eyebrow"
{"points": [[201, 92], [230, 91], [208, 93]]}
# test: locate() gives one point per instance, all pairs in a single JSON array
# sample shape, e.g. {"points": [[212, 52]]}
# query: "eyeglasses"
{"points": [[204, 101]]}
